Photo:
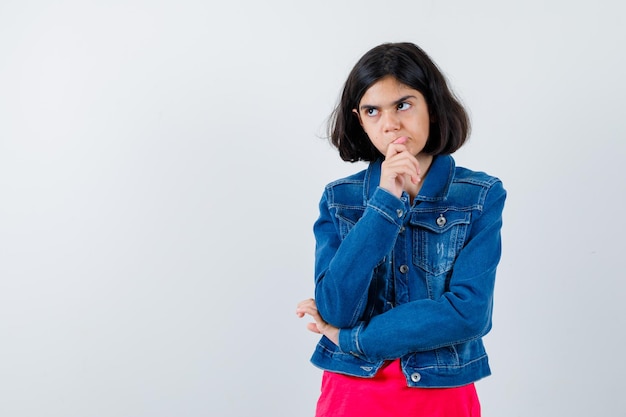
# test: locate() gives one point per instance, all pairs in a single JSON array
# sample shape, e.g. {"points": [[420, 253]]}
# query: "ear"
{"points": [[355, 111]]}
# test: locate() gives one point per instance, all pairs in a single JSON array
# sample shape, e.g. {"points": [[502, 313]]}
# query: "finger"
{"points": [[402, 169], [393, 149], [404, 163], [313, 327], [396, 147], [308, 309], [309, 303]]}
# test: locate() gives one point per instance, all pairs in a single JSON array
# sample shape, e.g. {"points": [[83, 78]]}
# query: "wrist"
{"points": [[333, 335]]}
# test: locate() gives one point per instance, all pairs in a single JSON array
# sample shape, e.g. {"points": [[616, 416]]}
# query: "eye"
{"points": [[371, 112], [404, 106]]}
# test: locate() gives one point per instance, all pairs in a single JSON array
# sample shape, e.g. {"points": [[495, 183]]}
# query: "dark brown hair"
{"points": [[411, 66]]}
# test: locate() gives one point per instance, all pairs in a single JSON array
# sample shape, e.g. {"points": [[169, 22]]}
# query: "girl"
{"points": [[406, 250]]}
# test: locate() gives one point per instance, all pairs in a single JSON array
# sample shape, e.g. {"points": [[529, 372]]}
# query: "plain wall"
{"points": [[161, 164]]}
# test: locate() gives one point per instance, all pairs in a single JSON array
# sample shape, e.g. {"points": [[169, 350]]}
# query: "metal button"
{"points": [[402, 229], [404, 269], [441, 221], [400, 213], [415, 377]]}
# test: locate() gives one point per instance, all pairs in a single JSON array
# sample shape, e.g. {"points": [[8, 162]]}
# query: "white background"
{"points": [[161, 164]]}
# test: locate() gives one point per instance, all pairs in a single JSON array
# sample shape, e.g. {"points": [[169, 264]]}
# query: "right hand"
{"points": [[399, 169]]}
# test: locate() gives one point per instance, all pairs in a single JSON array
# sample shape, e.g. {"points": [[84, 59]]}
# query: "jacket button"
{"points": [[415, 377], [400, 213], [441, 221], [404, 269], [402, 229]]}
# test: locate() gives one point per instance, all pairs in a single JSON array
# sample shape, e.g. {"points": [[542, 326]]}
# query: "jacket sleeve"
{"points": [[461, 314], [344, 268]]}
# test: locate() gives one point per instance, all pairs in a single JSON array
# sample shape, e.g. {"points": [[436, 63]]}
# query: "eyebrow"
{"points": [[395, 103]]}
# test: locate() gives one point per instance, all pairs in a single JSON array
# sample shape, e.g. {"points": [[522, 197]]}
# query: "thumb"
{"points": [[313, 327]]}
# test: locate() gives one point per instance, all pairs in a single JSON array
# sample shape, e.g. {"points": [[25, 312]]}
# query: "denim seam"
{"points": [[334, 352], [345, 206], [458, 342], [488, 183], [383, 213], [356, 341], [422, 210], [463, 365]]}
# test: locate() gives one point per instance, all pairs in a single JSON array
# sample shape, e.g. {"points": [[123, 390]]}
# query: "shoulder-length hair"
{"points": [[410, 65]]}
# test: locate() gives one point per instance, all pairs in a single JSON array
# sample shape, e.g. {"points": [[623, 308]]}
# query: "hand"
{"points": [[399, 169], [319, 326]]}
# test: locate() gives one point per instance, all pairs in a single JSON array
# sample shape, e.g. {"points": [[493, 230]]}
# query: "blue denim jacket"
{"points": [[406, 280]]}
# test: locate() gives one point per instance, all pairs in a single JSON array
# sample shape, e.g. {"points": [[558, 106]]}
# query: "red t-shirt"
{"points": [[387, 395]]}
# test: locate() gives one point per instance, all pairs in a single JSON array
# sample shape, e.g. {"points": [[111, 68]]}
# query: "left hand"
{"points": [[319, 326]]}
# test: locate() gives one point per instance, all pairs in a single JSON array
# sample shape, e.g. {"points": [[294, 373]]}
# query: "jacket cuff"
{"points": [[349, 341], [391, 207]]}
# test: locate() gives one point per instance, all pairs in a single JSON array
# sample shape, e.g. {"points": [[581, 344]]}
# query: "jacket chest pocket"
{"points": [[347, 218], [437, 239]]}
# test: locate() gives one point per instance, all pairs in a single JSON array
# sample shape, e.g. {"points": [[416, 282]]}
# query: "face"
{"points": [[390, 110]]}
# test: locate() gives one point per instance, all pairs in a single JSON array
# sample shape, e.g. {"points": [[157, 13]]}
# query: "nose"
{"points": [[391, 121]]}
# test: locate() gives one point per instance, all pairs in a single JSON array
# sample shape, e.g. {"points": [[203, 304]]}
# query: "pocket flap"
{"points": [[439, 222]]}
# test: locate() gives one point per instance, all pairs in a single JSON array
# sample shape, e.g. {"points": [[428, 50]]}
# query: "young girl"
{"points": [[406, 250]]}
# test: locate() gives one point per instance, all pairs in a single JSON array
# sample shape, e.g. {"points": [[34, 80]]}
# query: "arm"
{"points": [[344, 268], [460, 315]]}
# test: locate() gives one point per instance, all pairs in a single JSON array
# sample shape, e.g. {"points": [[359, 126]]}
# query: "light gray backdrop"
{"points": [[161, 164]]}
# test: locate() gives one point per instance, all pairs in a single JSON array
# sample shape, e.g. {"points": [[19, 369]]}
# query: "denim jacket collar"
{"points": [[435, 187]]}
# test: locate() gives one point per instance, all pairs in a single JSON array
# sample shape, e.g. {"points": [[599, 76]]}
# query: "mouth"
{"points": [[401, 140]]}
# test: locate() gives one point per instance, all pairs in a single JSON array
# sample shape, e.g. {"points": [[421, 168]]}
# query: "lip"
{"points": [[401, 140]]}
